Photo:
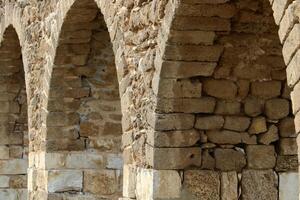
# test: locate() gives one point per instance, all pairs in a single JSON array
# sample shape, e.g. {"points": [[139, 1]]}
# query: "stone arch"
{"points": [[83, 127], [14, 118], [222, 61]]}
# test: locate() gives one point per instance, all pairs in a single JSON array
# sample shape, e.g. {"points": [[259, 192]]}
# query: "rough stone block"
{"points": [[266, 89], [228, 108], [181, 69], [209, 122], [237, 123], [202, 184], [230, 160], [258, 125], [259, 185], [277, 108], [167, 184], [229, 186], [261, 156], [253, 106], [224, 137], [270, 136], [193, 53], [164, 122], [223, 89], [173, 138], [129, 181], [287, 127], [159, 158], [100, 182], [288, 146], [64, 181]]}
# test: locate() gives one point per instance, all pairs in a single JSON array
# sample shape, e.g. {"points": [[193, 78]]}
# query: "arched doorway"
{"points": [[84, 115], [13, 119]]}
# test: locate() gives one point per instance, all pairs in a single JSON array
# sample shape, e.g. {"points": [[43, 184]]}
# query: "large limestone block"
{"points": [[102, 182], [289, 186], [277, 108], [261, 156], [159, 158], [65, 180], [183, 138], [209, 122], [158, 184], [16, 166], [11, 194], [260, 185], [224, 89], [202, 184], [229, 160]]}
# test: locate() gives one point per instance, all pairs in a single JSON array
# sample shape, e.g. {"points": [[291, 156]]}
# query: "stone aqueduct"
{"points": [[149, 99]]}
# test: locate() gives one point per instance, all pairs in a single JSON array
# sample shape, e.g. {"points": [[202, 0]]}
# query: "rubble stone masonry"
{"points": [[149, 99]]}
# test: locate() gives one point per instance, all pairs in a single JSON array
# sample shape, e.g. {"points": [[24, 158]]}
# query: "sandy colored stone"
{"points": [[236, 123], [277, 108], [270, 136], [258, 125], [229, 160], [193, 184], [209, 122], [259, 185], [261, 156]]}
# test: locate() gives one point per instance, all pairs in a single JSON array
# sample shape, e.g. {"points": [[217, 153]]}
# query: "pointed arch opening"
{"points": [[84, 111], [13, 119]]}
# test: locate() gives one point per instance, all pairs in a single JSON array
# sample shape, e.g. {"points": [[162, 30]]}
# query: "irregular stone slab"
{"points": [[202, 184], [167, 184], [261, 156], [65, 180], [289, 186], [260, 185], [229, 160]]}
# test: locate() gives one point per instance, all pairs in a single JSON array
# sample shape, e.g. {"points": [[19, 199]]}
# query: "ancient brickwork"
{"points": [[203, 88]]}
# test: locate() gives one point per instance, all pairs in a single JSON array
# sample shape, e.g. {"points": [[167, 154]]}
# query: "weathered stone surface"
{"points": [[269, 89], [209, 122], [223, 89], [229, 186], [173, 138], [230, 160], [62, 181], [287, 127], [224, 137], [159, 158], [104, 182], [277, 108], [193, 184], [287, 163], [288, 186], [253, 107], [164, 122], [288, 146], [270, 136], [168, 184], [236, 123], [259, 185], [228, 108], [258, 125], [260, 156]]}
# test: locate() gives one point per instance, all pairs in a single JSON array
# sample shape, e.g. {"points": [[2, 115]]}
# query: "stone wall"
{"points": [[13, 123], [201, 85]]}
